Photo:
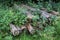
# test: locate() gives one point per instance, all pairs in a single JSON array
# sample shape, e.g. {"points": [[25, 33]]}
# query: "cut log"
{"points": [[29, 15], [45, 14], [54, 13], [14, 30], [43, 11], [30, 28]]}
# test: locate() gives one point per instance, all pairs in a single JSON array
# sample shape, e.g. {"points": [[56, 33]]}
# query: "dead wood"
{"points": [[29, 14], [54, 13], [30, 28], [23, 27], [14, 30], [43, 11]]}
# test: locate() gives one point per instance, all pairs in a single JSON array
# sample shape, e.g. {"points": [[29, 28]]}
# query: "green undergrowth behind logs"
{"points": [[8, 16]]}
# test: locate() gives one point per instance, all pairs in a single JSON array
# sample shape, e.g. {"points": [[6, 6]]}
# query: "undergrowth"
{"points": [[9, 15]]}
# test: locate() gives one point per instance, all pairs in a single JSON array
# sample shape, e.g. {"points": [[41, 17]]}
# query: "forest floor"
{"points": [[34, 22]]}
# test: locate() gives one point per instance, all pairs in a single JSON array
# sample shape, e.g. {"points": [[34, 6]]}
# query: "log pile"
{"points": [[15, 30]]}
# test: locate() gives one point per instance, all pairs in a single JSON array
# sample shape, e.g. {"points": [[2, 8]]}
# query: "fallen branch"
{"points": [[15, 30]]}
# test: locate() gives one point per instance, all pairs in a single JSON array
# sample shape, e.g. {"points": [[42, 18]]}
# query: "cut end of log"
{"points": [[14, 30]]}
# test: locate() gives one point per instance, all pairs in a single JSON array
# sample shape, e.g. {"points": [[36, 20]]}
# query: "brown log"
{"points": [[30, 28], [54, 13]]}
